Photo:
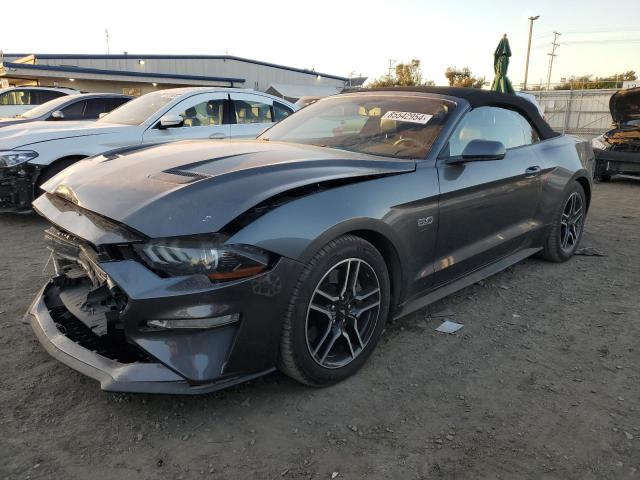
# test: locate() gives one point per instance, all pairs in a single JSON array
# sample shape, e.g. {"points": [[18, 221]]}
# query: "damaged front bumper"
{"points": [[17, 187], [611, 162], [100, 314], [133, 358]]}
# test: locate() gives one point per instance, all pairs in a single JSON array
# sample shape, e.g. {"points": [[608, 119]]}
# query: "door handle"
{"points": [[532, 171], [217, 135]]}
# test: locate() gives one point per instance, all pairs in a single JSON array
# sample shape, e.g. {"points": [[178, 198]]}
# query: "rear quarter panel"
{"points": [[565, 159]]}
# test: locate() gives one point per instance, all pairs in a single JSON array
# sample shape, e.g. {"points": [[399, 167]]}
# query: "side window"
{"points": [[280, 111], [16, 97], [8, 98], [95, 106], [116, 102], [530, 134], [74, 111], [489, 123], [207, 113], [46, 95], [252, 111], [25, 97]]}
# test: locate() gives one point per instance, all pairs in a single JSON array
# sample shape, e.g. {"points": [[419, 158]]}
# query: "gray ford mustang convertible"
{"points": [[192, 266]]}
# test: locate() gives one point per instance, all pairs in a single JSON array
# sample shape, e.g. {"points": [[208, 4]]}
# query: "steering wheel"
{"points": [[406, 142]]}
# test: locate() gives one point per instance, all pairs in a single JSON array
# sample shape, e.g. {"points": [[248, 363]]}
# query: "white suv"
{"points": [[35, 152], [17, 100]]}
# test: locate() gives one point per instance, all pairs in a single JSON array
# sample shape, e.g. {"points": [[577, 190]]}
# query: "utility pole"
{"points": [[391, 64], [106, 34], [526, 68], [552, 55]]}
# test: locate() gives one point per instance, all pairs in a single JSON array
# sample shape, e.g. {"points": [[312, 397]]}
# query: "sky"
{"points": [[343, 37]]}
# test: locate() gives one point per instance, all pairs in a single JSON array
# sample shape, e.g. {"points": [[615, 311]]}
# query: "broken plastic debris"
{"points": [[449, 327]]}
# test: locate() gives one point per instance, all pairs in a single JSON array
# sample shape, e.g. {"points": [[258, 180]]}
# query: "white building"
{"points": [[139, 74]]}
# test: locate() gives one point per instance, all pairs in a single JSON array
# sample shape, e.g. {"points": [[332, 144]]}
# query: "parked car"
{"points": [[196, 265], [618, 150], [31, 154], [17, 100], [82, 106]]}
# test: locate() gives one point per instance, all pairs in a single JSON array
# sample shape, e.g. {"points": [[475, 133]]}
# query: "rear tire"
{"points": [[337, 313], [568, 226]]}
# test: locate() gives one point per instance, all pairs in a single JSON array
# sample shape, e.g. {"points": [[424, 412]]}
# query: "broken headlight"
{"points": [[11, 158], [207, 256]]}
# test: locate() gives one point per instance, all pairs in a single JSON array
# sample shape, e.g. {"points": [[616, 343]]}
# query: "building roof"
{"points": [[486, 98], [67, 56], [125, 73]]}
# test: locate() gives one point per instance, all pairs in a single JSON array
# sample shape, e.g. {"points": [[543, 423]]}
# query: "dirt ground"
{"points": [[542, 382]]}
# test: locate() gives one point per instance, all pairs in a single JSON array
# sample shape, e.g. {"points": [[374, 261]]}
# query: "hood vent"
{"points": [[178, 177]]}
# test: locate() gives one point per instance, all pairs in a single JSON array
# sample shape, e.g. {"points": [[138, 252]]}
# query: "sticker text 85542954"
{"points": [[412, 117]]}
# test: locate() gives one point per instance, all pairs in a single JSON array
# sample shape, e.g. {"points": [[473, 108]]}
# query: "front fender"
{"points": [[389, 207]]}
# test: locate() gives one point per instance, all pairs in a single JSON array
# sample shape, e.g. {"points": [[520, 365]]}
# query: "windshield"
{"points": [[138, 110], [390, 125], [48, 107]]}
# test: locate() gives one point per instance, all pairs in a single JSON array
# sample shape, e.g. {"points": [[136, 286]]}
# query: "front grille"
{"points": [[113, 346]]}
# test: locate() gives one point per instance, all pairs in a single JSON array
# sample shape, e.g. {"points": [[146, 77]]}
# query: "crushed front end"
{"points": [[107, 314], [618, 152], [17, 187]]}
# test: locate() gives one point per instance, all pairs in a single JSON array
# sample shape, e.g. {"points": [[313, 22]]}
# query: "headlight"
{"points": [[11, 158], [204, 255], [599, 143]]}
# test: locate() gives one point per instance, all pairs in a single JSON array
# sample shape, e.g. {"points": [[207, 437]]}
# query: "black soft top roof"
{"points": [[484, 98]]}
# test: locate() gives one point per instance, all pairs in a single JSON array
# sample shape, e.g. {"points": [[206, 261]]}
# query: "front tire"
{"points": [[568, 226], [337, 313]]}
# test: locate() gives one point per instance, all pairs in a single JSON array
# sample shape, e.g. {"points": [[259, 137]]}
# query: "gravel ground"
{"points": [[542, 382]]}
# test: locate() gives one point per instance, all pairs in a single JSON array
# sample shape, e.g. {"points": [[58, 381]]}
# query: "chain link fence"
{"points": [[584, 113]]}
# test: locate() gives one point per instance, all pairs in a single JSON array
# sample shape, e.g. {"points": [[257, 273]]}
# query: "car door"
{"points": [[203, 117], [486, 208], [251, 114]]}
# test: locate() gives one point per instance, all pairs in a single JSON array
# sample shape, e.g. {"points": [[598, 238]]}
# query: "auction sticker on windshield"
{"points": [[412, 117]]}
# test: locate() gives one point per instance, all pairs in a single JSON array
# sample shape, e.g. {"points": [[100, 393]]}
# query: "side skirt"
{"points": [[474, 277]]}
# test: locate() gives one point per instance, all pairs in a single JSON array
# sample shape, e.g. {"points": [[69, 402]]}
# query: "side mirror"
{"points": [[480, 151], [102, 114], [171, 120], [57, 115]]}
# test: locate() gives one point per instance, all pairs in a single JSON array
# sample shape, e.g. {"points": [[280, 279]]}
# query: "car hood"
{"points": [[17, 135], [7, 121], [195, 187], [625, 105]]}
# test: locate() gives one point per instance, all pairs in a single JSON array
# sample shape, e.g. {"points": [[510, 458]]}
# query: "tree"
{"points": [[589, 82], [406, 75], [462, 77]]}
